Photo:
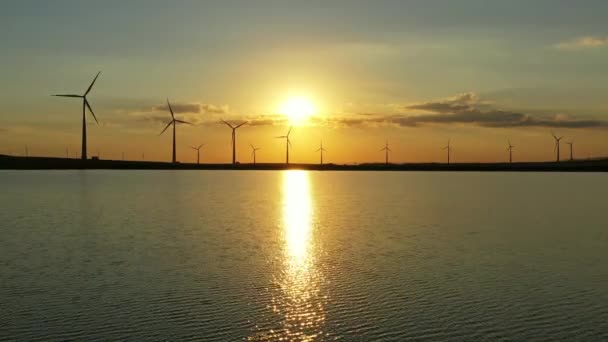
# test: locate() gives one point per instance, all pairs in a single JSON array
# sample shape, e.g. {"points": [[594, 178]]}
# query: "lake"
{"points": [[303, 256]]}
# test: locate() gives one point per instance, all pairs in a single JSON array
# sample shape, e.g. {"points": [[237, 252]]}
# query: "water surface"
{"points": [[296, 255]]}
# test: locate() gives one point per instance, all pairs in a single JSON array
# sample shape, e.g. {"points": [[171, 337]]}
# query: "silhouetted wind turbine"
{"points": [[67, 153], [27, 153], [85, 105], [173, 122], [510, 149], [287, 144], [386, 150], [449, 149], [571, 143], [556, 148], [198, 152], [233, 141], [321, 150], [253, 152]]}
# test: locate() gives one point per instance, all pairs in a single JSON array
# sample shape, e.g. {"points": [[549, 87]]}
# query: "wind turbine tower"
{"points": [[449, 149], [386, 150], [85, 105], [198, 152], [253, 152], [233, 141], [510, 149], [556, 148], [173, 122], [321, 150], [287, 144], [571, 144]]}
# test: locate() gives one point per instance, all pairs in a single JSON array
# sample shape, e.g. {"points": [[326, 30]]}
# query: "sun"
{"points": [[297, 108]]}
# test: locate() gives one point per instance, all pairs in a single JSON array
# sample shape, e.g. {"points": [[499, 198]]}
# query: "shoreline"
{"points": [[50, 163]]}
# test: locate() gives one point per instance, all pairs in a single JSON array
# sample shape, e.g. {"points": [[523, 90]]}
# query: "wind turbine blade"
{"points": [[201, 145], [184, 122], [281, 137], [91, 86], [170, 109], [288, 142], [318, 150], [68, 95], [169, 124], [241, 124], [229, 125], [290, 128], [90, 110]]}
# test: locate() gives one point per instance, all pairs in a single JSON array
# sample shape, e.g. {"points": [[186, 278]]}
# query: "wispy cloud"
{"points": [[462, 109], [583, 43], [195, 113], [468, 109], [192, 108]]}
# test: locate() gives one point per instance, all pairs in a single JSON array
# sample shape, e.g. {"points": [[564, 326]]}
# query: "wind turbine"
{"points": [[287, 144], [556, 148], [233, 142], [27, 152], [386, 150], [253, 152], [449, 149], [321, 149], [510, 149], [198, 152], [173, 122], [571, 143], [85, 105]]}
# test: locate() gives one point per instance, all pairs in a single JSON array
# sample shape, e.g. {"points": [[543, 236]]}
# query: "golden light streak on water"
{"points": [[298, 300]]}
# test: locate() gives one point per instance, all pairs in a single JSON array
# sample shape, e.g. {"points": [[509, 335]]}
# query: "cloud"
{"points": [[583, 42], [194, 108], [462, 109], [213, 109], [467, 109]]}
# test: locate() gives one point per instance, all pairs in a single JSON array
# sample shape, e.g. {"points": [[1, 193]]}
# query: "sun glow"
{"points": [[297, 108]]}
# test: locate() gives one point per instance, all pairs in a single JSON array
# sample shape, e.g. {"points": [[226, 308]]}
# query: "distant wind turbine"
{"points": [[85, 105], [173, 122], [449, 149], [233, 141], [287, 144], [571, 143], [67, 153], [556, 148], [253, 152], [198, 152], [321, 150], [386, 150], [510, 149]]}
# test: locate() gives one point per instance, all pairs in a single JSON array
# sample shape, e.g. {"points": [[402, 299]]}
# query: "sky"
{"points": [[414, 73]]}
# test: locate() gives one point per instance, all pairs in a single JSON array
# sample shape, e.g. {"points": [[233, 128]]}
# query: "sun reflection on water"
{"points": [[297, 301]]}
